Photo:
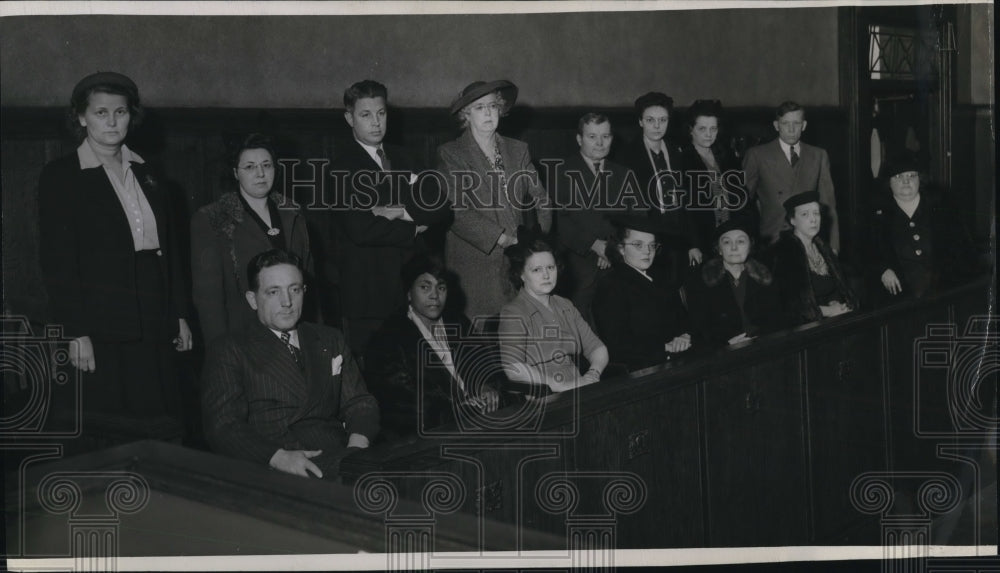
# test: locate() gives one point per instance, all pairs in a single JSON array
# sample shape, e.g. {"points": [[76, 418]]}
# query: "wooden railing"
{"points": [[749, 446]]}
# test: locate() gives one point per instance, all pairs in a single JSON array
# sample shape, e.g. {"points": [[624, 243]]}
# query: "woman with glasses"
{"points": [[810, 280], [732, 298], [227, 233], [494, 191], [919, 243], [542, 335], [640, 316], [712, 176], [658, 168]]}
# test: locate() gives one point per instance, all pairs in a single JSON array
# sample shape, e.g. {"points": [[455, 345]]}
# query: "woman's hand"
{"points": [[741, 337], [679, 343], [183, 342], [81, 354], [694, 257], [835, 308], [891, 282]]}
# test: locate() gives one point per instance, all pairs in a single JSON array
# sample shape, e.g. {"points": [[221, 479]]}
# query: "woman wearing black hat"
{"points": [[733, 297], [109, 259], [639, 316], [493, 189], [809, 276], [920, 244]]}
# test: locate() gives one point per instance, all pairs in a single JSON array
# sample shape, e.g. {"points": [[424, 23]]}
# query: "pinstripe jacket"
{"points": [[256, 399]]}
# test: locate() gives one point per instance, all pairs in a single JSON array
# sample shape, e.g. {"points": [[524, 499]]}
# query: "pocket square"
{"points": [[336, 364]]}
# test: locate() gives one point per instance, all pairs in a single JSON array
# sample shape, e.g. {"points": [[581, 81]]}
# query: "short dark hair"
{"points": [[78, 105], [363, 89], [703, 108], [651, 99], [519, 254], [592, 117], [271, 258], [251, 141], [423, 264], [786, 107]]}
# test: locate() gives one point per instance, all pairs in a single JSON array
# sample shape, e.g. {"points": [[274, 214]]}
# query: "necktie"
{"points": [[386, 165], [286, 338], [597, 167], [794, 157]]}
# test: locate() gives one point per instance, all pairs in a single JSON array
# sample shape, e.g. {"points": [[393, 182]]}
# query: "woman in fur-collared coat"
{"points": [[226, 234], [811, 282], [733, 297]]}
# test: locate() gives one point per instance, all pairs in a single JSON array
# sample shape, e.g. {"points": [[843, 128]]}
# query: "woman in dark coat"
{"points": [[226, 234], [424, 366], [109, 258], [709, 168], [920, 244], [640, 316], [733, 298], [810, 280]]}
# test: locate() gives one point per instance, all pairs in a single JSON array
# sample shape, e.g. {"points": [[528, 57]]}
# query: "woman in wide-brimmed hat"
{"points": [[638, 313], [494, 190], [109, 257], [733, 297]]}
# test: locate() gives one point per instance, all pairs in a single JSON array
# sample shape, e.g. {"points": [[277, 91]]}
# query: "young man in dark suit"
{"points": [[281, 392], [380, 227], [587, 190], [784, 167]]}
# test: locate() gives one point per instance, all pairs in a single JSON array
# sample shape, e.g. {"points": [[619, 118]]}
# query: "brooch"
{"points": [[273, 231]]}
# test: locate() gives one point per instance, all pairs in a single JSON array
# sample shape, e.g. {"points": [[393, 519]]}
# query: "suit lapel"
{"points": [[103, 194]]}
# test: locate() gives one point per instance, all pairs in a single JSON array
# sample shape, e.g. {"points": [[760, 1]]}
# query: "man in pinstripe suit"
{"points": [[281, 392]]}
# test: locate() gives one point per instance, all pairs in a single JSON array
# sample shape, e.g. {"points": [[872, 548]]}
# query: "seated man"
{"points": [[282, 392], [422, 356]]}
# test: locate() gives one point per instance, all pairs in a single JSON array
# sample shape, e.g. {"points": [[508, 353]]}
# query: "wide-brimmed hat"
{"points": [[478, 89], [800, 199], [120, 81]]}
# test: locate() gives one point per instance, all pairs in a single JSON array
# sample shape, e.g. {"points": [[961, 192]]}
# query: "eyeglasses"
{"points": [[640, 246]]}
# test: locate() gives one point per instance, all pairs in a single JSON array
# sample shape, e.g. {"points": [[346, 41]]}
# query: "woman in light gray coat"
{"points": [[493, 190]]}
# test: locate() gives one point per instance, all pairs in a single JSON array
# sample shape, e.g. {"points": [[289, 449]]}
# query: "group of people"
{"points": [[609, 266]]}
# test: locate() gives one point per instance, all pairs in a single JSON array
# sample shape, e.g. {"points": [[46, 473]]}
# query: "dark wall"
{"points": [[744, 57]]}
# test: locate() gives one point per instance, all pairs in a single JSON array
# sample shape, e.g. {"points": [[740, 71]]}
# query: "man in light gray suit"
{"points": [[784, 167]]}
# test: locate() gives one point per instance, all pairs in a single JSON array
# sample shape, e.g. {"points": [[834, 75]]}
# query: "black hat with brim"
{"points": [[800, 199], [120, 81], [478, 89]]}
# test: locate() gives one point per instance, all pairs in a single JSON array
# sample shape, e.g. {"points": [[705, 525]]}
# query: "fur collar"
{"points": [[714, 272]]}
